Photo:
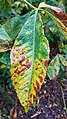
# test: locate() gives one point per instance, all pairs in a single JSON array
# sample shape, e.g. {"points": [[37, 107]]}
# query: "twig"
{"points": [[36, 114], [63, 98], [30, 4]]}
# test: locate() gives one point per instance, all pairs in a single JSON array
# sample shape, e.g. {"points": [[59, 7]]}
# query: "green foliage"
{"points": [[24, 46], [55, 65]]}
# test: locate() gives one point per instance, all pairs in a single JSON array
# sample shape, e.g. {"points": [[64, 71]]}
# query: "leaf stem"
{"points": [[30, 4], [63, 97]]}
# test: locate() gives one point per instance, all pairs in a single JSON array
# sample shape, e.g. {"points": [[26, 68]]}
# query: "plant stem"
{"points": [[30, 4], [63, 97]]}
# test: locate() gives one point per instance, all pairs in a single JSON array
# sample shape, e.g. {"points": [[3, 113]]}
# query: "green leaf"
{"points": [[5, 60], [10, 30], [55, 65], [59, 24], [28, 54], [53, 68], [4, 38], [7, 33], [63, 60], [5, 8], [15, 24]]}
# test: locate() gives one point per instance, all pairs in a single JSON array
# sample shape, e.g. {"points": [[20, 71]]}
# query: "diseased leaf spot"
{"points": [[42, 71], [34, 97], [16, 70], [25, 90], [23, 69], [13, 54], [26, 83], [28, 66], [23, 58], [22, 103], [17, 49], [22, 74], [16, 83], [22, 53], [38, 85], [35, 88], [36, 69], [27, 61], [46, 63], [38, 63], [41, 79], [31, 95], [18, 88], [26, 101]]}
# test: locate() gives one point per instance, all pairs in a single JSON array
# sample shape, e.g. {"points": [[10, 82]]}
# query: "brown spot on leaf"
{"points": [[41, 60], [41, 79], [36, 69], [22, 52], [34, 97], [31, 95], [16, 83], [16, 70], [22, 103], [30, 103], [22, 74], [17, 49], [46, 63], [36, 90], [23, 69], [28, 66], [27, 61], [25, 90], [26, 101], [38, 63], [42, 71], [38, 85], [7, 45], [26, 83], [23, 58], [13, 54]]}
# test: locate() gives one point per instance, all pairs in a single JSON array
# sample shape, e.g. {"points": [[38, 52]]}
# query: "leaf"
{"points": [[59, 24], [15, 24], [63, 60], [5, 59], [10, 30], [5, 8], [4, 38], [62, 17], [28, 54], [56, 9], [53, 68]]}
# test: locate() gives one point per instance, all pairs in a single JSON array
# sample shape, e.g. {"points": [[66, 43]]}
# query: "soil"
{"points": [[49, 106]]}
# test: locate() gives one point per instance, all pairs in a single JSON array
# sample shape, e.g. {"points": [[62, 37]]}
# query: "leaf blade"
{"points": [[27, 60], [53, 68]]}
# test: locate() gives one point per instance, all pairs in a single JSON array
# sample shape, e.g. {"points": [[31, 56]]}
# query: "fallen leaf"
{"points": [[15, 114]]}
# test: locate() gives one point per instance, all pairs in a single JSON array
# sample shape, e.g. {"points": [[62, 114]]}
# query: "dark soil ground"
{"points": [[50, 105]]}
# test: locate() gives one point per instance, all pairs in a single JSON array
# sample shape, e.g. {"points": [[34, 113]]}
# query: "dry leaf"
{"points": [[62, 17], [15, 114]]}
